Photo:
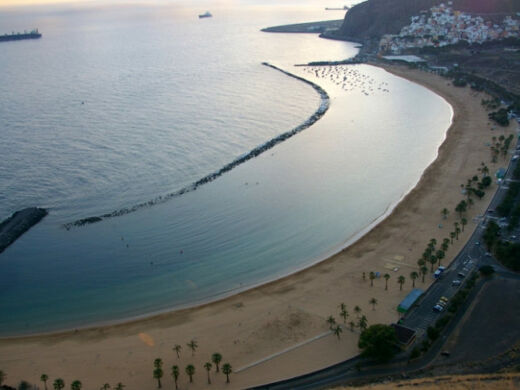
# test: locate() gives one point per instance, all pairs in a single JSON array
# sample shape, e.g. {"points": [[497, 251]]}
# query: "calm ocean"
{"points": [[119, 104]]}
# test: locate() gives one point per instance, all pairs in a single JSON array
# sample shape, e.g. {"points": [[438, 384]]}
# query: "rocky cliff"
{"points": [[374, 18]]}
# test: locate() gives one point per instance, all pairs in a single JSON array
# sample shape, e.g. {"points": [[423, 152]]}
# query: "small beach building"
{"points": [[405, 336], [409, 300]]}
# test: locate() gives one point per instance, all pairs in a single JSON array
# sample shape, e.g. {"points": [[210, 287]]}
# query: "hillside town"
{"points": [[441, 26]]}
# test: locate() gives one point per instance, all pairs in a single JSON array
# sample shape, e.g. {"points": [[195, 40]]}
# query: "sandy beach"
{"points": [[253, 329]]}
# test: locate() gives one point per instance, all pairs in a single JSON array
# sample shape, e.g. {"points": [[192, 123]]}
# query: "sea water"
{"points": [[119, 104]]}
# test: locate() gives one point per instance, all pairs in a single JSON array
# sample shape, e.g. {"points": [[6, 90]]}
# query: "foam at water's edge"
{"points": [[324, 106]]}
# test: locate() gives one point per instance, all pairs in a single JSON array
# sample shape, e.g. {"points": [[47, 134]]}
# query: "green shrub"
{"points": [[433, 333], [499, 116], [460, 83]]}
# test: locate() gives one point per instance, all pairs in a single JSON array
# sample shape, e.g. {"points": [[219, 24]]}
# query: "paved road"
{"points": [[470, 258]]}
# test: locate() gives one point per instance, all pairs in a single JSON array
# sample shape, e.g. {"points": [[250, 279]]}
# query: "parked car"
{"points": [[438, 308], [438, 272], [443, 299], [456, 283], [461, 275]]}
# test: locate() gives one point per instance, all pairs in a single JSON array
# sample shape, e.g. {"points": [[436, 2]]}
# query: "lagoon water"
{"points": [[119, 104]]}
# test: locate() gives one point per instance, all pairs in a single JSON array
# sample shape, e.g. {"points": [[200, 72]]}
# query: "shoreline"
{"points": [[289, 298], [203, 302]]}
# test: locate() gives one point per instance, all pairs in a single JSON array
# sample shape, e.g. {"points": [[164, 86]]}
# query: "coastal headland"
{"points": [[311, 27], [18, 223], [279, 330]]}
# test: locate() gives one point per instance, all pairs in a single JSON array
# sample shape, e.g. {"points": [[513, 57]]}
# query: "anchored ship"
{"points": [[206, 14], [34, 34]]}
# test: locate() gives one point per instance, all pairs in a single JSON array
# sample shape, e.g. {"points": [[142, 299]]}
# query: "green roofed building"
{"points": [[409, 300]]}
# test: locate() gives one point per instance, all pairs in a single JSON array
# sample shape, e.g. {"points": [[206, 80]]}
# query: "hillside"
{"points": [[373, 18]]}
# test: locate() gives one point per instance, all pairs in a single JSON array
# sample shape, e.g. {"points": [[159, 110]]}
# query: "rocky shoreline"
{"points": [[324, 106], [18, 223]]}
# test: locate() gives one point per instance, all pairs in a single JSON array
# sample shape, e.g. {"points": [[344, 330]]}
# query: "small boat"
{"points": [[206, 14]]}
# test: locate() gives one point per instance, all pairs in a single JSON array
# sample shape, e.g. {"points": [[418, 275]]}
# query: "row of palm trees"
{"points": [[216, 358], [59, 383], [158, 373], [372, 276], [361, 320]]}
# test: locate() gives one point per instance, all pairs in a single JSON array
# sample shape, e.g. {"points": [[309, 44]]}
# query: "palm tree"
{"points": [[226, 369], [457, 230], [440, 255], [331, 321], [193, 346], [43, 377], [58, 384], [352, 325], [373, 302], [413, 275], [445, 213], [432, 261], [157, 363], [371, 276], [158, 374], [344, 314], [401, 279], [363, 323], [364, 277], [120, 386], [386, 276], [424, 271], [2, 377], [216, 358], [76, 385], [445, 244], [357, 310], [175, 374], [463, 222], [432, 243], [452, 236], [337, 331], [190, 370], [208, 366], [177, 348], [106, 386]]}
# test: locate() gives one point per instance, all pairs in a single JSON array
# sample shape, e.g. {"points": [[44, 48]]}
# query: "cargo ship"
{"points": [[34, 34]]}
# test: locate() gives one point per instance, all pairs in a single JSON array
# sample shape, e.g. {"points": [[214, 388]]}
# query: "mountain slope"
{"points": [[374, 18]]}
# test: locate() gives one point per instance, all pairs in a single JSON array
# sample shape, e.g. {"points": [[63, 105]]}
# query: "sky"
{"points": [[29, 2]]}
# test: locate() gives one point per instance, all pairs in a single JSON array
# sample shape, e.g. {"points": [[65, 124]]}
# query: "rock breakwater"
{"points": [[324, 106], [18, 223]]}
